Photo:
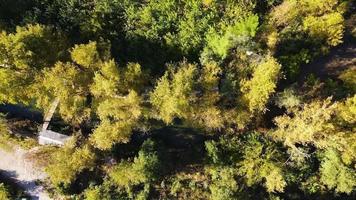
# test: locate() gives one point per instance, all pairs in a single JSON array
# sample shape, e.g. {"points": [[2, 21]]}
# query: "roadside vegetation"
{"points": [[12, 134], [9, 190], [4, 195]]}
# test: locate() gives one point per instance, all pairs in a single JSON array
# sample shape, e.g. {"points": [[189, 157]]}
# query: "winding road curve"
{"points": [[15, 166]]}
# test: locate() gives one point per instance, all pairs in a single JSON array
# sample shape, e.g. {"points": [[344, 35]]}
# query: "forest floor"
{"points": [[330, 66], [339, 58], [16, 167]]}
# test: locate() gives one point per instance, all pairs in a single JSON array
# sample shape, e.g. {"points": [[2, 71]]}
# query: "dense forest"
{"points": [[185, 99]]}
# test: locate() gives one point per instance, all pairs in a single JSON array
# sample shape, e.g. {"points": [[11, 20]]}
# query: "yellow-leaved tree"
{"points": [[321, 19], [262, 85], [325, 126], [117, 96], [70, 83], [118, 117], [4, 193], [173, 93], [22, 55]]}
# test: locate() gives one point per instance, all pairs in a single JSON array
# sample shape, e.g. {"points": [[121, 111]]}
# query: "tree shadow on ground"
{"points": [[17, 188]]}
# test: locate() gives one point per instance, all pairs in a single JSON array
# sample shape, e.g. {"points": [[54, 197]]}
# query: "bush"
{"points": [[288, 99], [349, 78], [335, 174], [224, 185], [4, 194], [4, 134], [9, 140], [106, 191]]}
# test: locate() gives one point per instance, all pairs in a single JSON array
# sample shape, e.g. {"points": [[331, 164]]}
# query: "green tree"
{"points": [[106, 191], [260, 165], [118, 117], [335, 174], [68, 162], [310, 125], [71, 16], [173, 93], [221, 44], [143, 170], [223, 186], [22, 55], [68, 83]]}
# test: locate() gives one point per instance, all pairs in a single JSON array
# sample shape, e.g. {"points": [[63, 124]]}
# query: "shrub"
{"points": [[288, 99], [4, 194], [335, 174], [349, 78]]}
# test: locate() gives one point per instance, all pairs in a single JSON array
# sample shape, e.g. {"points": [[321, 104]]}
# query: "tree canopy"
{"points": [[187, 99]]}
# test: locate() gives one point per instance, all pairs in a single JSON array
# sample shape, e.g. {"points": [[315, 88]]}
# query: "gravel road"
{"points": [[15, 167]]}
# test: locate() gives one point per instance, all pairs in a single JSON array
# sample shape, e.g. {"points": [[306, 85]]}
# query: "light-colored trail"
{"points": [[15, 166]]}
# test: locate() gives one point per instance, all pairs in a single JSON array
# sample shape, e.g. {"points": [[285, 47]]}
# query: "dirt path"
{"points": [[15, 167]]}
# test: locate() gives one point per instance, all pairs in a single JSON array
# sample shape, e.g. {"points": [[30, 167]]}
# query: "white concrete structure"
{"points": [[49, 137]]}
